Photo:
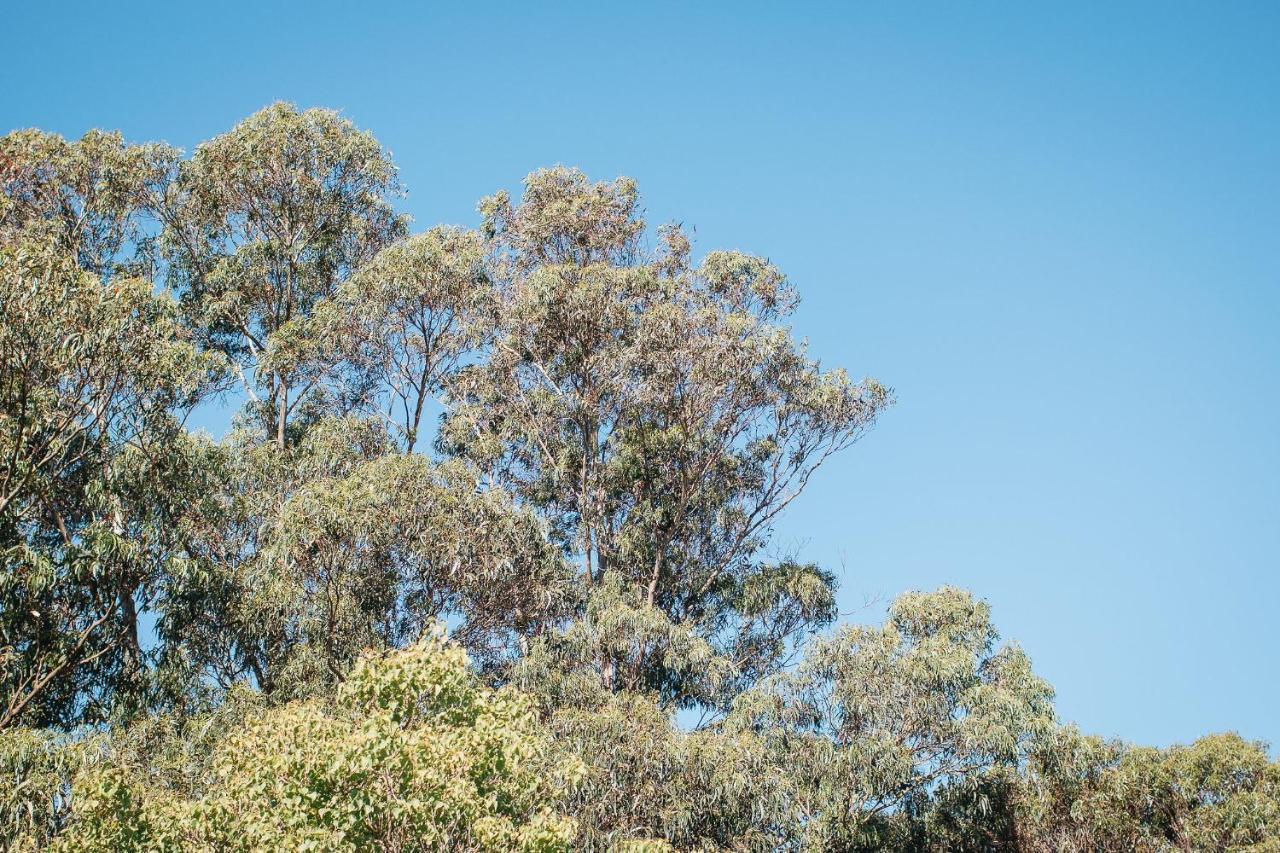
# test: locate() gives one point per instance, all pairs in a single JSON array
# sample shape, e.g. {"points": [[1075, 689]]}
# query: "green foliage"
{"points": [[657, 413], [405, 321], [95, 466], [1084, 793], [93, 199], [874, 719], [262, 223], [338, 544], [618, 632], [649, 781], [563, 437], [412, 754], [37, 768]]}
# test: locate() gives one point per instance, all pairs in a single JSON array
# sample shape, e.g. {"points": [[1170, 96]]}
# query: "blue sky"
{"points": [[1053, 230]]}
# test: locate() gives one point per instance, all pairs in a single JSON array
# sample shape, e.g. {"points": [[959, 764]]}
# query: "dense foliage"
{"points": [[484, 562]]}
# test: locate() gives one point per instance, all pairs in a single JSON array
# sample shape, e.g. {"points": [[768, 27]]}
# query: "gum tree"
{"points": [[93, 199], [262, 223], [96, 467], [658, 413], [400, 328], [306, 556], [876, 719]]}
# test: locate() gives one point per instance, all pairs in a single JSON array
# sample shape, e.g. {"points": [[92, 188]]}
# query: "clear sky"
{"points": [[1054, 231]]}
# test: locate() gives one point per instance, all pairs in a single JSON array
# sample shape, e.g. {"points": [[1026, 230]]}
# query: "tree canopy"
{"points": [[486, 560]]}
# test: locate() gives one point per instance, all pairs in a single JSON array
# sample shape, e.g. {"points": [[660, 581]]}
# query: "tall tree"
{"points": [[263, 222], [93, 199], [657, 412], [95, 467], [398, 330]]}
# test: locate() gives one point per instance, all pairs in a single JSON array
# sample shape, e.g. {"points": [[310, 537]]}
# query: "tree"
{"points": [[93, 200], [264, 222], [1085, 793], [402, 325], [414, 754], [338, 544], [656, 413], [874, 719], [95, 466], [857, 748]]}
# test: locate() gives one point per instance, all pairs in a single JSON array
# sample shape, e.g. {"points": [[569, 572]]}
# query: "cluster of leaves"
{"points": [[564, 440], [412, 753], [95, 470]]}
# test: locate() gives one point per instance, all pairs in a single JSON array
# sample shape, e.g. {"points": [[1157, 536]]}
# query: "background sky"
{"points": [[1052, 230]]}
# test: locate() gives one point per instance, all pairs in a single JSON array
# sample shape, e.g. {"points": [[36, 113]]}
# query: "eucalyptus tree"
{"points": [[94, 199], [291, 261], [656, 412], [1085, 793], [856, 748], [262, 223], [95, 467], [412, 754], [306, 556], [400, 328], [875, 719]]}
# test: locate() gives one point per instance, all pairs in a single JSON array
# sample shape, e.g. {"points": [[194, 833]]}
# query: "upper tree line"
{"points": [[651, 415], [560, 434]]}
